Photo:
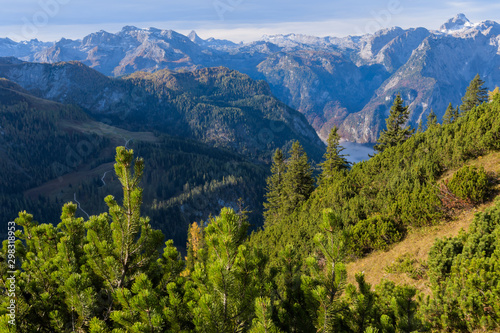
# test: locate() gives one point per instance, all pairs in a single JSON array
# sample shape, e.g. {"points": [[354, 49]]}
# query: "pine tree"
{"points": [[40, 307], [140, 310], [225, 286], [263, 323], [327, 275], [449, 115], [117, 251], [56, 290], [274, 195], [363, 313], [395, 133], [405, 308], [334, 160], [175, 307], [80, 294], [475, 94], [291, 309], [298, 182]]}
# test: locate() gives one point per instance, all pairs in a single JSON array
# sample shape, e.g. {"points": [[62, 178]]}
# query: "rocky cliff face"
{"points": [[349, 82]]}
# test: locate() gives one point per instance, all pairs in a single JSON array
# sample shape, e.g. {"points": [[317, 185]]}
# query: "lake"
{"points": [[357, 151]]}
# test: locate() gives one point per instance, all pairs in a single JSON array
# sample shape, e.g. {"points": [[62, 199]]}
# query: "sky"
{"points": [[236, 20]]}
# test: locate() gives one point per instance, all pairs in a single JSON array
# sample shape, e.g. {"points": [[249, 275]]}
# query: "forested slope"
{"points": [[381, 198], [113, 271], [207, 134], [217, 106], [53, 153]]}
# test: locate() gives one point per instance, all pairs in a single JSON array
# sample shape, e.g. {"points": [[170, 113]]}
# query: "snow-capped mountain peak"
{"points": [[458, 22]]}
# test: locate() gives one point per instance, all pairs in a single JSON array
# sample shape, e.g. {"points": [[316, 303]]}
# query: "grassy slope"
{"points": [[419, 241]]}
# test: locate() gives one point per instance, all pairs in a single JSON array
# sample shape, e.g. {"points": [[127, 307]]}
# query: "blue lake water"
{"points": [[357, 151]]}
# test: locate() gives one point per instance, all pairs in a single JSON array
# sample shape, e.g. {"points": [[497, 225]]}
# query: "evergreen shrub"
{"points": [[470, 183], [374, 233]]}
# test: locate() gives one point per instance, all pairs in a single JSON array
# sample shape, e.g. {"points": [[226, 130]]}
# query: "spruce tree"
{"points": [[334, 160], [475, 94], [274, 195], [456, 113], [431, 119], [298, 182], [449, 115], [194, 245], [395, 133]]}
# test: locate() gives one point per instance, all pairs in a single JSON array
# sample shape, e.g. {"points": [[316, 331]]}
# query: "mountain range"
{"points": [[349, 82], [217, 106]]}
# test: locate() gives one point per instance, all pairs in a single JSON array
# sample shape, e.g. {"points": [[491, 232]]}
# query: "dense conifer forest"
{"points": [[116, 272]]}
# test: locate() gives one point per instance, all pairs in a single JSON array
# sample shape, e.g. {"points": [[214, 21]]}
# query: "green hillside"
{"points": [[405, 262], [114, 272], [397, 189], [208, 135]]}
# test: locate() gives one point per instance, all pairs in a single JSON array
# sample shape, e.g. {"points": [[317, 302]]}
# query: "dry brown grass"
{"points": [[491, 164], [419, 241]]}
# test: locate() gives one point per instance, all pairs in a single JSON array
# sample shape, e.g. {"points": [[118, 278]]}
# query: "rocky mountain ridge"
{"points": [[217, 106], [349, 82]]}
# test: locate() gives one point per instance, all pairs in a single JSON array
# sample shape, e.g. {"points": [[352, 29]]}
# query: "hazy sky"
{"points": [[237, 20]]}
